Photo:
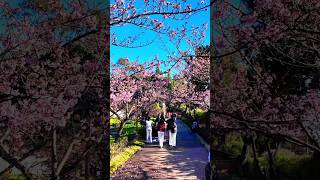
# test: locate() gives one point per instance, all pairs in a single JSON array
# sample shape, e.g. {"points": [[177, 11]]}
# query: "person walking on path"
{"points": [[162, 117], [149, 130], [194, 126], [157, 119], [155, 125], [161, 129], [151, 162], [172, 128]]}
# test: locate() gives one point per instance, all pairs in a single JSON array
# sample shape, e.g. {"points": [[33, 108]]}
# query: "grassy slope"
{"points": [[124, 155], [122, 151]]}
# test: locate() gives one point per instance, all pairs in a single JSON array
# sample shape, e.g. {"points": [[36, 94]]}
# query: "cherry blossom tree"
{"points": [[277, 37], [154, 16], [243, 102], [270, 82], [265, 71], [162, 18], [135, 85], [48, 74]]}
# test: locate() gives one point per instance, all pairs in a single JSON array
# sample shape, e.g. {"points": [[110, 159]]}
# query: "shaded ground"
{"points": [[187, 161]]}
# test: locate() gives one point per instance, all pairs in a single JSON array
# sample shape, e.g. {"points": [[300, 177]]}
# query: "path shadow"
{"points": [[189, 159]]}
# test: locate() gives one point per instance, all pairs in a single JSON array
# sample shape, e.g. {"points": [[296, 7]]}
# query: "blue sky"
{"points": [[159, 41]]}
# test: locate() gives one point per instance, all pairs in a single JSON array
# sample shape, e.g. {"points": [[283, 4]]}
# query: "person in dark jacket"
{"points": [[162, 117], [172, 128], [155, 130]]}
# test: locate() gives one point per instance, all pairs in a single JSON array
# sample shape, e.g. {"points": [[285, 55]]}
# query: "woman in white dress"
{"points": [[149, 130]]}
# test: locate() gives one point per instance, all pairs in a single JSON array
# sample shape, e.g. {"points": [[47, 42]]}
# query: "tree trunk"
{"points": [[244, 153], [271, 162], [105, 156], [256, 161], [245, 149], [194, 114], [54, 163], [64, 159], [14, 162], [278, 146], [86, 167], [223, 140], [208, 124], [87, 161], [243, 159], [120, 129], [122, 124]]}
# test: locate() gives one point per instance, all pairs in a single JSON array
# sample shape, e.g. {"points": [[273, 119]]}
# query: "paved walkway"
{"points": [[187, 161]]}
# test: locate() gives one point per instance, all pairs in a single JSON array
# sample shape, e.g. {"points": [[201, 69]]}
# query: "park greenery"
{"points": [[117, 159], [126, 145], [258, 82]]}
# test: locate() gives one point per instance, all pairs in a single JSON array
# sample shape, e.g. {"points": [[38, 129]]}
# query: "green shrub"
{"points": [[287, 164], [122, 150], [117, 147], [138, 143], [124, 155], [112, 140], [128, 134], [234, 143], [182, 107], [131, 128], [16, 177], [155, 109], [201, 114], [232, 177], [292, 166], [114, 121]]}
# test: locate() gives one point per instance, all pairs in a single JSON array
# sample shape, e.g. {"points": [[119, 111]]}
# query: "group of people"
{"points": [[161, 126]]}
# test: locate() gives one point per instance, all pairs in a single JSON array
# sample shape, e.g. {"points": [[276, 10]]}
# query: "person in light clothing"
{"points": [[161, 129], [172, 128], [149, 130], [194, 126]]}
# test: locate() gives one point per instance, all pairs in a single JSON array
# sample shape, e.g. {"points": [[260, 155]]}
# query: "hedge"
{"points": [[125, 155]]}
